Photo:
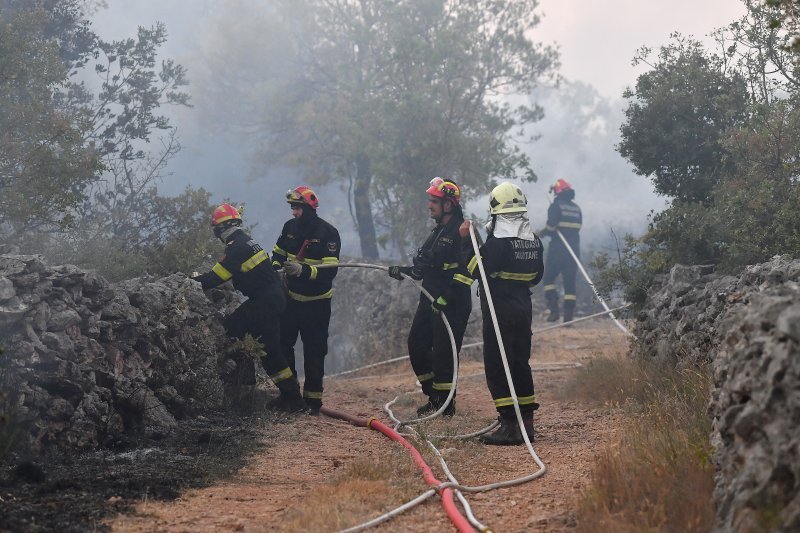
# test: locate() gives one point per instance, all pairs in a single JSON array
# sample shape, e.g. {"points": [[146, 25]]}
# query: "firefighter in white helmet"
{"points": [[512, 261]]}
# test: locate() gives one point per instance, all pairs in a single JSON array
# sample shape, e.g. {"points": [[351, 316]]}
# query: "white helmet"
{"points": [[507, 198]]}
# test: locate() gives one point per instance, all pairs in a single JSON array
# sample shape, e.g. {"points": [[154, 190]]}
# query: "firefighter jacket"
{"points": [[513, 265], [247, 265], [314, 243], [565, 216], [441, 261]]}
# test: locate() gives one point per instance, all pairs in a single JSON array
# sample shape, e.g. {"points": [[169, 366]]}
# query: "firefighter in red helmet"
{"points": [[306, 242], [247, 265], [563, 216], [440, 264]]}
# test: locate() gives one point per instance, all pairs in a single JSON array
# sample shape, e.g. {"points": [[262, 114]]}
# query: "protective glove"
{"points": [[292, 269], [194, 275], [396, 272], [439, 304]]}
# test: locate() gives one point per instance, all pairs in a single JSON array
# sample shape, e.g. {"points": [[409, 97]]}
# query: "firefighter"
{"points": [[440, 264], [247, 265], [306, 242], [563, 216], [512, 260]]}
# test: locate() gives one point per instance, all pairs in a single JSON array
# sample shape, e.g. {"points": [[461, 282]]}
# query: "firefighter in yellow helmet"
{"points": [[440, 265], [563, 216], [513, 263], [247, 265], [306, 242]]}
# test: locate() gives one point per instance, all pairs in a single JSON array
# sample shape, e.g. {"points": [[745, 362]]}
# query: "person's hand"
{"points": [[194, 275], [439, 304], [396, 272], [463, 229], [292, 269]]}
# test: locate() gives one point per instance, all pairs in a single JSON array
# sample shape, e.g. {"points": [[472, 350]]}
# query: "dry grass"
{"points": [[360, 491], [658, 475]]}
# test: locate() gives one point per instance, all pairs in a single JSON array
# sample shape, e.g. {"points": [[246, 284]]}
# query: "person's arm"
{"points": [[279, 253], [222, 271], [553, 216]]}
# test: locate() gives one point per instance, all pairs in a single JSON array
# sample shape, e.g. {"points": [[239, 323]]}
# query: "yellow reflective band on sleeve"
{"points": [[463, 279], [254, 261], [222, 272], [278, 250], [276, 263], [312, 395], [573, 225], [549, 288], [286, 373], [449, 266], [472, 264], [425, 377], [568, 297], [514, 276], [304, 298], [330, 260], [314, 273], [442, 386]]}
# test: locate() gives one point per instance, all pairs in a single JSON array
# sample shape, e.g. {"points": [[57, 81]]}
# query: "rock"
{"points": [[6, 289], [788, 322]]}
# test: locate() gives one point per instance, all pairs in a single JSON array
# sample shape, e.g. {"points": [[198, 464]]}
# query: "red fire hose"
{"points": [[461, 523]]}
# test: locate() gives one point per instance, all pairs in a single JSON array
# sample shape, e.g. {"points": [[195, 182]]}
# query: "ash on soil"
{"points": [[75, 493]]}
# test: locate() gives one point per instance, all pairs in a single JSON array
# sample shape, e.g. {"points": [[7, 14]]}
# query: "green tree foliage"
{"points": [[676, 117], [45, 156], [78, 167], [750, 179], [788, 16], [385, 94]]}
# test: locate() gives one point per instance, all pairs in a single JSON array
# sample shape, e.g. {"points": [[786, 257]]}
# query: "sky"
{"points": [[597, 41]]}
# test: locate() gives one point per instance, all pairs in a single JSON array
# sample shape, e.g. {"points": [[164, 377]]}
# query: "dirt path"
{"points": [[320, 474]]}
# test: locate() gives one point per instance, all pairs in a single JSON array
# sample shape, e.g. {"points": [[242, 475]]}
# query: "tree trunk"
{"points": [[366, 226]]}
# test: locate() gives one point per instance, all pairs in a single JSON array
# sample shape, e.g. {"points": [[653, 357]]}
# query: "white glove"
{"points": [[292, 269]]}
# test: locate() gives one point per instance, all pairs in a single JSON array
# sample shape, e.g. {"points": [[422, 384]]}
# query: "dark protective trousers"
{"points": [[559, 261], [515, 329], [429, 345], [261, 318], [310, 320]]}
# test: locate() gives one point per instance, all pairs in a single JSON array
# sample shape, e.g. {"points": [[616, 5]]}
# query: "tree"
{"points": [[385, 94], [79, 168], [46, 158], [676, 117]]}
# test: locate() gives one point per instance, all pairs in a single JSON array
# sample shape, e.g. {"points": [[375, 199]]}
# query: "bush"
{"points": [[659, 475]]}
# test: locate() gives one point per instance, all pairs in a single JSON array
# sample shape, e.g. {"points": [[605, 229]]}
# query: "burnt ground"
{"points": [[75, 493]]}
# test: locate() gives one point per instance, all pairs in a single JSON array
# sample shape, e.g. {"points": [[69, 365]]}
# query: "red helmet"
{"points": [[302, 195], [560, 186], [441, 188], [224, 213]]}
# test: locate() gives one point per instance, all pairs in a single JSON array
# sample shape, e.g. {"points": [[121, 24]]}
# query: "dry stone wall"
{"points": [[85, 361], [748, 329]]}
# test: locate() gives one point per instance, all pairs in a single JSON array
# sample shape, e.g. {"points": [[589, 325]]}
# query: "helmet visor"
{"points": [[292, 196]]}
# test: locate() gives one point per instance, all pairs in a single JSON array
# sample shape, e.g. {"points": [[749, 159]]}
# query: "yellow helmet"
{"points": [[507, 198]]}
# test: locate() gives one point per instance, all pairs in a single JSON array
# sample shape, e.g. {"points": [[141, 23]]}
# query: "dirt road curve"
{"points": [[320, 474]]}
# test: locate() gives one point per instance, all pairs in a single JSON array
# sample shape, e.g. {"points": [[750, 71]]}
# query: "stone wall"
{"points": [[86, 361], [748, 329]]}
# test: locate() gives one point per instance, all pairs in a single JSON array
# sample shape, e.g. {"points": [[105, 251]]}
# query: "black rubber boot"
{"points": [[289, 400], [552, 305], [569, 310], [508, 434], [313, 407], [435, 401]]}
